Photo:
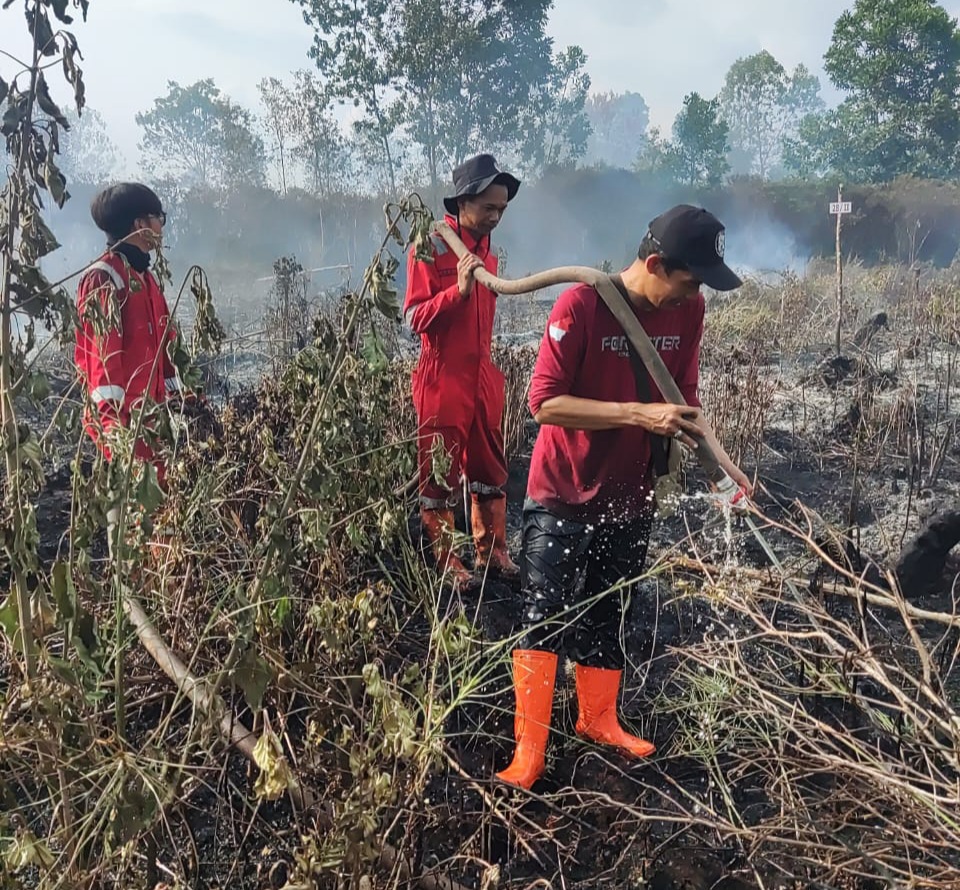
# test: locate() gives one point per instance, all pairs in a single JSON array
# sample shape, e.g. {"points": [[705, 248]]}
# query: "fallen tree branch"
{"points": [[197, 690], [200, 693], [492, 807], [763, 576]]}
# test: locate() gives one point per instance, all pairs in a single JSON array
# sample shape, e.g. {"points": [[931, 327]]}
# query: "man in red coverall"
{"points": [[125, 324], [588, 511], [457, 390]]}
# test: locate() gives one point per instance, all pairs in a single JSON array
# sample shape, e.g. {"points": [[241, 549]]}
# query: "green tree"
{"points": [[243, 156], [453, 78], [836, 144], [278, 119], [763, 105], [430, 83], [304, 133], [200, 136], [354, 51], [697, 152], [87, 153], [805, 154], [899, 61], [480, 75], [618, 128], [318, 144], [655, 154], [554, 126]]}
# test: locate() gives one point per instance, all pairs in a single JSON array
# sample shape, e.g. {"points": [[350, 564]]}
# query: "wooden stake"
{"points": [[839, 268]]}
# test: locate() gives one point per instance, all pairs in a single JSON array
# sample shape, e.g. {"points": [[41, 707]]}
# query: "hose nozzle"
{"points": [[729, 493]]}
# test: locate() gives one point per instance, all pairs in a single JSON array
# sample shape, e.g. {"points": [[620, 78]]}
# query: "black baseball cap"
{"points": [[695, 237], [475, 175]]}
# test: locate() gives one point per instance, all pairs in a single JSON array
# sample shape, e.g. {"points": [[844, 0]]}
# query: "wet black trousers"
{"points": [[568, 570]]}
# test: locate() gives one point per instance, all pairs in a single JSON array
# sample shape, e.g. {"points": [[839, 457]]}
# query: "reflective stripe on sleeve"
{"points": [[101, 266], [107, 393]]}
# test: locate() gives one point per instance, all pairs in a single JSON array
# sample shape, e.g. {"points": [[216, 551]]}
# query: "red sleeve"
{"points": [[689, 377], [561, 351], [99, 349], [426, 299]]}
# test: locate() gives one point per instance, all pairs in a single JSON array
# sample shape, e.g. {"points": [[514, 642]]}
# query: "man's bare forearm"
{"points": [[661, 418], [575, 413]]}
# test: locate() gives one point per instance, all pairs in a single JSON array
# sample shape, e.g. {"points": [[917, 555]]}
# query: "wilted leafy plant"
{"points": [[30, 126]]}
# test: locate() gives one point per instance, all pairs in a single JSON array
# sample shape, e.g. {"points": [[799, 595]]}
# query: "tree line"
{"points": [[425, 85]]}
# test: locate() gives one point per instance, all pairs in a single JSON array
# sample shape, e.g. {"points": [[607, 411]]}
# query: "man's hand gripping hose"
{"points": [[728, 493]]}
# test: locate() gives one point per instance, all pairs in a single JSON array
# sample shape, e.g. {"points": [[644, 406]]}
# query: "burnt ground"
{"points": [[586, 842], [481, 739], [658, 627]]}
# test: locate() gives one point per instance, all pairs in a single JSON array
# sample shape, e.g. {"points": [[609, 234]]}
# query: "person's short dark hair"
{"points": [[117, 207], [649, 247]]}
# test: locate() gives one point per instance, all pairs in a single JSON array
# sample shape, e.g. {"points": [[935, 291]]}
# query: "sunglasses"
{"points": [[162, 216]]}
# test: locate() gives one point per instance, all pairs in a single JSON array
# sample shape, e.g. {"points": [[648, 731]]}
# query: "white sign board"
{"points": [[841, 207]]}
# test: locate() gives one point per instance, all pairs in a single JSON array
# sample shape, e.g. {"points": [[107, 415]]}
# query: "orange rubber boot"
{"points": [[597, 693], [488, 519], [534, 675], [438, 526]]}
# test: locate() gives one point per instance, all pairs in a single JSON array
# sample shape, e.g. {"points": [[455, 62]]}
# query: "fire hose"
{"points": [[726, 487], [726, 490]]}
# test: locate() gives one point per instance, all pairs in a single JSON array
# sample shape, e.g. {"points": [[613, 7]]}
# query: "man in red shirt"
{"points": [[589, 506], [457, 390], [121, 350], [125, 327]]}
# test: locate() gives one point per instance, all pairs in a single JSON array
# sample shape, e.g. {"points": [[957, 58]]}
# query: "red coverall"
{"points": [[457, 390], [128, 362]]}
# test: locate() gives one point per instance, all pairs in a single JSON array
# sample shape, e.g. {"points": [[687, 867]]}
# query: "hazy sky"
{"points": [[662, 49]]}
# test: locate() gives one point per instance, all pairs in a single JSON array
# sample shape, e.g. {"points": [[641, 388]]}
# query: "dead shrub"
{"points": [[516, 363], [737, 391]]}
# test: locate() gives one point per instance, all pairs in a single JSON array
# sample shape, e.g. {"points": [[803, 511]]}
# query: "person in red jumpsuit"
{"points": [[457, 390], [125, 326], [588, 512]]}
